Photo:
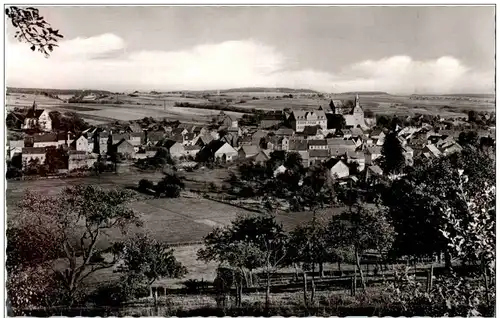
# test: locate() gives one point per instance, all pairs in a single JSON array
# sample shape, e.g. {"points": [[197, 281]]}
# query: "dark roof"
{"points": [[213, 146], [34, 114], [34, 150], [76, 152], [311, 130], [192, 147], [167, 143], [135, 128], [45, 137], [319, 153], [297, 145], [332, 162], [317, 142], [155, 135]]}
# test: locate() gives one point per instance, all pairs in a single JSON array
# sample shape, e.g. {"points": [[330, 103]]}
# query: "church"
{"points": [[353, 116], [37, 118]]}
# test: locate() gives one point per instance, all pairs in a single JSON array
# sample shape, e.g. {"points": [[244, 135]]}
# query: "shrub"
{"points": [[145, 185]]}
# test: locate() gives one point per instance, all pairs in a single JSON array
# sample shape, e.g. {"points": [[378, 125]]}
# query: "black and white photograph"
{"points": [[249, 160]]}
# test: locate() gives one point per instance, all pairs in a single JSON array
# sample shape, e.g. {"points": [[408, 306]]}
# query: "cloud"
{"points": [[103, 62]]}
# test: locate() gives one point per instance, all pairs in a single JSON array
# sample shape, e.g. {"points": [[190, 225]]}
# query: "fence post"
{"points": [[431, 277]]}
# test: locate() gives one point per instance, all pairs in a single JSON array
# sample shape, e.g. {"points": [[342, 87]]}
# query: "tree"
{"points": [[170, 186], [364, 228], [67, 122], [472, 116], [468, 138], [145, 257], [70, 226], [308, 246], [33, 29], [418, 200], [56, 158], [369, 113], [249, 242], [392, 151]]}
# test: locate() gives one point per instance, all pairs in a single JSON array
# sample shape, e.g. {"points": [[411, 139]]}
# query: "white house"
{"points": [[338, 169]]}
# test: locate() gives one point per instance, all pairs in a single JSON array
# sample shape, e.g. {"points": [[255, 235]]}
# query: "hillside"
{"points": [[54, 91]]}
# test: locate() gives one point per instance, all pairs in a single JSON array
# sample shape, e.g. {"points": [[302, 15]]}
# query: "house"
{"points": [[312, 132], [80, 159], [261, 157], [338, 169], [358, 157], [271, 120], [226, 121], [151, 151], [257, 136], [203, 140], [33, 153], [189, 139], [300, 119], [153, 137], [231, 139], [248, 151], [80, 144], [245, 140], [378, 137], [192, 150], [340, 145], [175, 148], [45, 140], [37, 118], [124, 148], [372, 153], [101, 141], [134, 128], [13, 120], [15, 147], [288, 132], [137, 138], [318, 144], [284, 143], [116, 138], [373, 171], [199, 130], [221, 150], [279, 170], [430, 151], [318, 156]]}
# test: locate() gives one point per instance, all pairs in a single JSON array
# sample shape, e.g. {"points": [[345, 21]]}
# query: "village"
{"points": [[337, 134]]}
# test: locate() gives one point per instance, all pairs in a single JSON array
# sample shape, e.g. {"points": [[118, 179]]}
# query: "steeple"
{"points": [[357, 101], [34, 106]]}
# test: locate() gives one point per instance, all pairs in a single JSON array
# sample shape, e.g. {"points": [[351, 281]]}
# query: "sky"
{"points": [[400, 50]]}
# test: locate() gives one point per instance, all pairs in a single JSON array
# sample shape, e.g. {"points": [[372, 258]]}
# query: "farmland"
{"points": [[137, 106]]}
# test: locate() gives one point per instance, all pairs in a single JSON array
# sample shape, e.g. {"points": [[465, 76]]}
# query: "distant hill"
{"points": [[255, 90], [364, 93], [55, 91]]}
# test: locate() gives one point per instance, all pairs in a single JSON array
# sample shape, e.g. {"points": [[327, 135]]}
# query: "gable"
{"points": [[226, 148]]}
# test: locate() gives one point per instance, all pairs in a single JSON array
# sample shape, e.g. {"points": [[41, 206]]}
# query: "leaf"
{"points": [[33, 48]]}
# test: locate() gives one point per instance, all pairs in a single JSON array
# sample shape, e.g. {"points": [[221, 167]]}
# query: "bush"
{"points": [[145, 185]]}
